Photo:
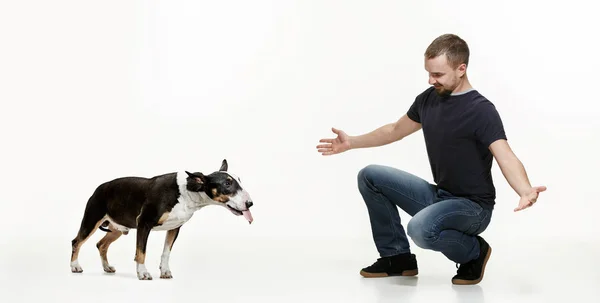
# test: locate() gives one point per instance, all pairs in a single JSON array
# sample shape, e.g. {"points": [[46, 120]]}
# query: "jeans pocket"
{"points": [[482, 220], [473, 229], [475, 207]]}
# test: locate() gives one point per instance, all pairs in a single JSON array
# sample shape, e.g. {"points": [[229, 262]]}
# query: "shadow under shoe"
{"points": [[471, 273], [399, 265]]}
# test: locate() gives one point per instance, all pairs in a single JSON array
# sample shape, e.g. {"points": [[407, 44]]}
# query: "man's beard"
{"points": [[442, 91]]}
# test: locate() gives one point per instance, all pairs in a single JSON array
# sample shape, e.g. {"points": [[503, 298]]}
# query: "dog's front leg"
{"points": [[143, 231], [165, 271]]}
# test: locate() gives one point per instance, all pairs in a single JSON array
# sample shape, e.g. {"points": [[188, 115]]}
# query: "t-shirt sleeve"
{"points": [[488, 124], [414, 111]]}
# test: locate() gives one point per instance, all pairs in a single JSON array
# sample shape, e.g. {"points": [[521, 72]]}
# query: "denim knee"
{"points": [[421, 232], [364, 177]]}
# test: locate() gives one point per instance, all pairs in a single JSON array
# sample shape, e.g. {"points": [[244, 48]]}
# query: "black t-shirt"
{"points": [[458, 130]]}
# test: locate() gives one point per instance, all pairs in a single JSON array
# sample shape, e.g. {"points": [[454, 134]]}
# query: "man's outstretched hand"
{"points": [[334, 146], [530, 198]]}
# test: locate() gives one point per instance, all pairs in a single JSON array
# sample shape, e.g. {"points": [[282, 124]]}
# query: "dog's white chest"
{"points": [[180, 214]]}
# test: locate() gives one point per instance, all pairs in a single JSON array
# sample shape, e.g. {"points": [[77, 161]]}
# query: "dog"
{"points": [[161, 203]]}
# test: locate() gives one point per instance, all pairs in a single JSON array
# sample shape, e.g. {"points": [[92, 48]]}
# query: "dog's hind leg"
{"points": [[103, 245], [93, 216], [90, 223], [165, 271]]}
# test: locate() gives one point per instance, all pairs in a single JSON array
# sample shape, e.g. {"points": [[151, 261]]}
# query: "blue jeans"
{"points": [[440, 221]]}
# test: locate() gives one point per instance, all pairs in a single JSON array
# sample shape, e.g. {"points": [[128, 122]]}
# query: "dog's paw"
{"points": [[76, 268], [143, 273], [166, 274], [144, 276], [109, 269]]}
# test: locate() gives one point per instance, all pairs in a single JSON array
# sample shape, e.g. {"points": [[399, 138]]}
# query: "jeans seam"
{"points": [[387, 206], [405, 196], [457, 212], [438, 220], [381, 198]]}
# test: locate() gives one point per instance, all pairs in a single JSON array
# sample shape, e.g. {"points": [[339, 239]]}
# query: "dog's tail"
{"points": [[103, 226]]}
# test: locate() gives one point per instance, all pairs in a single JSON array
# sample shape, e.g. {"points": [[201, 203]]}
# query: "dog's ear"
{"points": [[195, 181], [224, 165], [199, 178]]}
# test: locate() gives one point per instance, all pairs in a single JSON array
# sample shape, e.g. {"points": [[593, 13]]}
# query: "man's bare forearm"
{"points": [[386, 134], [514, 172], [378, 137]]}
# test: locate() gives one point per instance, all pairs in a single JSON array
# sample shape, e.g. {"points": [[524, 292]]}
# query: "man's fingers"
{"points": [[326, 140], [519, 208], [540, 189], [524, 206], [324, 145]]}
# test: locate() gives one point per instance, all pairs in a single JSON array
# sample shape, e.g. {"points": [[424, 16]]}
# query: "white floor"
{"points": [[291, 270]]}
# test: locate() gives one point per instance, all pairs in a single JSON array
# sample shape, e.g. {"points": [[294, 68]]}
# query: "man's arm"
{"points": [[511, 167], [386, 134]]}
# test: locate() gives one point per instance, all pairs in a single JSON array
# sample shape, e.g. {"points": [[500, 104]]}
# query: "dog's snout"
{"points": [[249, 204]]}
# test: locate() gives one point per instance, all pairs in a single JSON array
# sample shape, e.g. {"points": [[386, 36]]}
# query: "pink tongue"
{"points": [[248, 216]]}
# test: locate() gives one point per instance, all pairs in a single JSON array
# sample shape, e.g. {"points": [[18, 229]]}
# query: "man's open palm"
{"points": [[530, 198], [334, 146]]}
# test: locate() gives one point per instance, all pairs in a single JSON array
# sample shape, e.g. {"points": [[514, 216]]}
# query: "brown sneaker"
{"points": [[471, 272], [399, 265]]}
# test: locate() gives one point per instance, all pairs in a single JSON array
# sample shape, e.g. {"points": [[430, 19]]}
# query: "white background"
{"points": [[92, 91]]}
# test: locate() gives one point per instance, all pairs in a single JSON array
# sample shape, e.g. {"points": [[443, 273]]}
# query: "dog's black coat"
{"points": [[123, 199], [140, 203]]}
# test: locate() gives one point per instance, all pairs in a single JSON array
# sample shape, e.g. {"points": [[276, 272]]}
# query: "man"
{"points": [[463, 133]]}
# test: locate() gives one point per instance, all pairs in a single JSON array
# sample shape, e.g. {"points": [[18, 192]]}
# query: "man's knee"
{"points": [[366, 175], [421, 232]]}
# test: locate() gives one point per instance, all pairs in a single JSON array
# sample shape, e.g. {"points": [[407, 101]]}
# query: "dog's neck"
{"points": [[193, 200]]}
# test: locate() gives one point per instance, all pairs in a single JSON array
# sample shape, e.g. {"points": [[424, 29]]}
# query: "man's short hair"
{"points": [[455, 49]]}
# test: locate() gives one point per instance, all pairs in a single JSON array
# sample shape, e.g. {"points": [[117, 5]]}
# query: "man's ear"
{"points": [[224, 165], [462, 69]]}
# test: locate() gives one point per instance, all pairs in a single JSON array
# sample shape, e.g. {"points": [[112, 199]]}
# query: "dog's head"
{"points": [[224, 189]]}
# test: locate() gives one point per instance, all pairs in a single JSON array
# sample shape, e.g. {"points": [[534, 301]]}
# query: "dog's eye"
{"points": [[227, 183]]}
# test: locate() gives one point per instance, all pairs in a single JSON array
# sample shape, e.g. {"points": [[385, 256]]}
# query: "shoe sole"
{"points": [[473, 282], [406, 273]]}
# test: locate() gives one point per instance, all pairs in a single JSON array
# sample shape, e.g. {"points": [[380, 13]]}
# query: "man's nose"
{"points": [[249, 204], [431, 80]]}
